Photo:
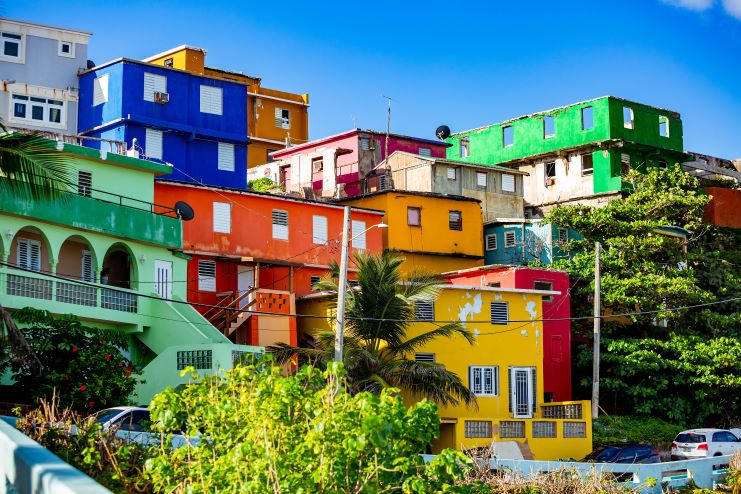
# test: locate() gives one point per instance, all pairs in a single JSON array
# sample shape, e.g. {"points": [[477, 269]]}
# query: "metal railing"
{"points": [[116, 147]]}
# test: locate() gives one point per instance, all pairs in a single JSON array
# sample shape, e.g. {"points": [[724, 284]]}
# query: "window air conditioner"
{"points": [[161, 98]]}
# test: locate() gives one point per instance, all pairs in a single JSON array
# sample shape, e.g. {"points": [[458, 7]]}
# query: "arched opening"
{"points": [[77, 260], [30, 253], [119, 267]]}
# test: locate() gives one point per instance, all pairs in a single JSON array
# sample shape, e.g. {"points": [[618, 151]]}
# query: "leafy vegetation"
{"points": [[613, 429], [264, 184]]}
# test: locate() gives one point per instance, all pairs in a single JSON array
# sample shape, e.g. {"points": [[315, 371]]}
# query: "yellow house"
{"points": [[504, 368], [434, 232], [275, 118]]}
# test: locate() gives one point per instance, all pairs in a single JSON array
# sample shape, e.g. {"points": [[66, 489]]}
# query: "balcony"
{"points": [[116, 147]]}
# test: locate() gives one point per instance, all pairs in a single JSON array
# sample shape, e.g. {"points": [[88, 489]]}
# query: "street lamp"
{"points": [[339, 336]]}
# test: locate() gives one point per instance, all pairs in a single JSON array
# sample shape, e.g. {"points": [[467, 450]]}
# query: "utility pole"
{"points": [[597, 320], [339, 335], [388, 128]]}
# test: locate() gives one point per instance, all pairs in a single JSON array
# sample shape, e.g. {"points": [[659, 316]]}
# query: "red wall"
{"points": [[556, 334], [724, 209]]}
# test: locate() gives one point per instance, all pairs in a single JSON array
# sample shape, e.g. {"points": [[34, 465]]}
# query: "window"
{"points": [[662, 164], [100, 90], [481, 180], [483, 380], [169, 62], [574, 429], [624, 163], [210, 101], [222, 217], [544, 429], [451, 173], [225, 157], [84, 183], [12, 46], [549, 127], [544, 285], [495, 284], [153, 144], [663, 126], [414, 216], [500, 313], [465, 150], [86, 270], [358, 233], [154, 83], [587, 118], [550, 173], [280, 224], [282, 118], [317, 164], [364, 143], [511, 428], [29, 254], [509, 239], [319, 229], [424, 310], [508, 182], [491, 241], [313, 280], [627, 117], [478, 428], [425, 151], [455, 220], [38, 110], [563, 236], [587, 164], [66, 49], [724, 437], [425, 357], [207, 276], [383, 183], [508, 136]]}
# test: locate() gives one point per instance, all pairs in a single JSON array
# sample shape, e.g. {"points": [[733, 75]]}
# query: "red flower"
{"points": [[108, 356], [90, 404], [83, 387], [74, 349]]}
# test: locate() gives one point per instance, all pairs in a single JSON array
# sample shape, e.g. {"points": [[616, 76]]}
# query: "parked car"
{"points": [[624, 453], [701, 443], [132, 424]]}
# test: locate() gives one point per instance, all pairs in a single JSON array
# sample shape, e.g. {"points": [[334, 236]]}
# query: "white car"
{"points": [[132, 424], [702, 443]]}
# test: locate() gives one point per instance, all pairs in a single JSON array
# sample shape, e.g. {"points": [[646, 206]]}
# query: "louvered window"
{"points": [[222, 217], [154, 83], [100, 90], [510, 239], [29, 254], [425, 357], [451, 173], [153, 144], [481, 180], [210, 101], [382, 182], [207, 276], [226, 157], [491, 241], [280, 224], [425, 151], [508, 182], [358, 234], [88, 273], [84, 183], [424, 310], [483, 380], [364, 143], [319, 229], [500, 313], [282, 118]]}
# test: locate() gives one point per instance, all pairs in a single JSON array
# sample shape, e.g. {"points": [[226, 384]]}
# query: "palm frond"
{"points": [[431, 381], [283, 353], [445, 331], [31, 167]]}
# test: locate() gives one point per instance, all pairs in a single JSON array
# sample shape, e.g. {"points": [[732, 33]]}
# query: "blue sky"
{"points": [[464, 64]]}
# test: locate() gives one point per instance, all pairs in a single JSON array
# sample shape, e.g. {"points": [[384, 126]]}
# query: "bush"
{"points": [[613, 429], [262, 184]]}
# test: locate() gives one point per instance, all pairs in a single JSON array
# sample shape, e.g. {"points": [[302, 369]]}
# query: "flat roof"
{"points": [[447, 161], [409, 193], [47, 26], [162, 67], [174, 50], [456, 287]]}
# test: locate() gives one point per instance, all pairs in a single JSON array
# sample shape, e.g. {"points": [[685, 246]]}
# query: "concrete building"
{"points": [[499, 189], [38, 75], [518, 241]]}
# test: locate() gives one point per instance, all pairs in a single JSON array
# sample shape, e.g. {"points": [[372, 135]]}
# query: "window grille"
{"points": [[478, 428], [483, 380], [500, 313]]}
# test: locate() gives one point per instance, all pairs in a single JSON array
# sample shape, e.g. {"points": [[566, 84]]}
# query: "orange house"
{"points": [[251, 253]]}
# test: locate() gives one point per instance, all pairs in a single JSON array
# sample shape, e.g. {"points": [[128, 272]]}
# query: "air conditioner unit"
{"points": [[161, 98]]}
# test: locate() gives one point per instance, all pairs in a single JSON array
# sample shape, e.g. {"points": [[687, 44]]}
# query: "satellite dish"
{"points": [[184, 211], [443, 132], [90, 64]]}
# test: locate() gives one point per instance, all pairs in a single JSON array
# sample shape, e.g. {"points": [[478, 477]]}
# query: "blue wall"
{"points": [[541, 243], [189, 137]]}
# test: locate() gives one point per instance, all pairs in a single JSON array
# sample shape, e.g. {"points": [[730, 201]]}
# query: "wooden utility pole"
{"points": [[388, 129], [597, 320]]}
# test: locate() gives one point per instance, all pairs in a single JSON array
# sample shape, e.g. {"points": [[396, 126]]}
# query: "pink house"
{"points": [[556, 312], [343, 165]]}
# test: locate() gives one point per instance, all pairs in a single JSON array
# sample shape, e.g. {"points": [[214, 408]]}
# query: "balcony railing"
{"points": [[108, 145]]}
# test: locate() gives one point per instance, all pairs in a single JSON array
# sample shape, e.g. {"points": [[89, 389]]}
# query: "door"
{"points": [[245, 282], [521, 381], [163, 278]]}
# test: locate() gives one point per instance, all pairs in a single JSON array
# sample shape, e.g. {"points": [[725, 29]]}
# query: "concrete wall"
{"points": [[724, 209]]}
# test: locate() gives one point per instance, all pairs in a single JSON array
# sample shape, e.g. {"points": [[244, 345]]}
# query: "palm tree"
{"points": [[378, 313]]}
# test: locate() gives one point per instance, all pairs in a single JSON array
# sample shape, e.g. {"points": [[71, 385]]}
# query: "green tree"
{"points": [[377, 315]]}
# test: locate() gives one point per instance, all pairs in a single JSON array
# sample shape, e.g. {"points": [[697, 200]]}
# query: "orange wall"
{"points": [[724, 209]]}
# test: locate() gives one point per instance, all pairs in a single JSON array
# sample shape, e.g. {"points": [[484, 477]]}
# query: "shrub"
{"points": [[614, 429], [263, 184]]}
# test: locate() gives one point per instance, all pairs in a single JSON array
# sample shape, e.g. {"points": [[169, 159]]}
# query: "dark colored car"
{"points": [[625, 453]]}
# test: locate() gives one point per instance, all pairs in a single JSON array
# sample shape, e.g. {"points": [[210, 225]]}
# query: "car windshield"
{"points": [[690, 437], [105, 415], [607, 454]]}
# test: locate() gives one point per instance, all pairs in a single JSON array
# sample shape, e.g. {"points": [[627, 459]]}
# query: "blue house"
{"points": [[524, 241], [197, 124]]}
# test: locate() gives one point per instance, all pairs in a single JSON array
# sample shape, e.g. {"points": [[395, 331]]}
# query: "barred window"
{"points": [[500, 313], [478, 428]]}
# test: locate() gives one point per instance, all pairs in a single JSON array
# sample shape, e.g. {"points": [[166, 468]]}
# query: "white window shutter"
{"points": [[279, 117], [500, 313], [226, 157], [29, 254], [22, 260], [358, 232], [481, 179], [508, 182], [491, 241], [425, 151], [154, 83], [320, 229], [280, 224], [88, 274], [222, 217], [207, 276], [210, 101], [100, 90], [153, 144]]}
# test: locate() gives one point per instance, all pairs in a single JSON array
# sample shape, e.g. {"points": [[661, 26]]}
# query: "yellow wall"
{"points": [[188, 59]]}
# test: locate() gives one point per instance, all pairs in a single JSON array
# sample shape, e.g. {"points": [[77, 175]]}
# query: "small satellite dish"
{"points": [[184, 211], [443, 132], [90, 64]]}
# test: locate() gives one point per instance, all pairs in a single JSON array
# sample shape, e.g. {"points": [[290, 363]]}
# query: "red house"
{"points": [[256, 251], [557, 333]]}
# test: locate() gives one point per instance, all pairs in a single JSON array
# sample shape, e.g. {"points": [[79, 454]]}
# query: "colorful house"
{"points": [[434, 232], [521, 241], [340, 165], [556, 314], [276, 119], [256, 251], [38, 68], [503, 368], [196, 124], [109, 255], [576, 153], [498, 188]]}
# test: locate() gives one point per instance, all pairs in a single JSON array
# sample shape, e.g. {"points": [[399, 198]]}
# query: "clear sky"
{"points": [[464, 64]]}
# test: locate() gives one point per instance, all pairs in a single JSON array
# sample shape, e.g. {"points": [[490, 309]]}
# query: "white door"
{"points": [[163, 278], [521, 380], [245, 282]]}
